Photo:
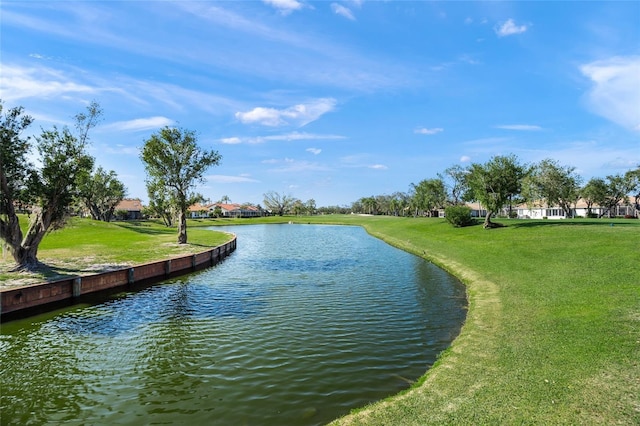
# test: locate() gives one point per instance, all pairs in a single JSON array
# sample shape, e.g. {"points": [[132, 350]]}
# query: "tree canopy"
{"points": [[494, 184], [278, 203], [47, 190], [555, 184], [100, 193], [175, 164]]}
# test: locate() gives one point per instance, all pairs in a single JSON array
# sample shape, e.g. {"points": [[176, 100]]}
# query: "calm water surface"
{"points": [[297, 327]]}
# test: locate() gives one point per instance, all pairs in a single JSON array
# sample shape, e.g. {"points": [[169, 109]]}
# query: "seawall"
{"points": [[23, 301]]}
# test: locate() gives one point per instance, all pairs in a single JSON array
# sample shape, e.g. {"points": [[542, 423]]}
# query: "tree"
{"points": [[161, 203], [369, 204], [594, 193], [100, 193], [456, 183], [618, 188], [633, 176], [225, 199], [311, 207], [48, 190], [428, 195], [175, 165], [277, 203], [558, 185], [494, 184]]}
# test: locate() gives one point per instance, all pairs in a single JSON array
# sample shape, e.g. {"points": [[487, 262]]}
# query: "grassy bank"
{"points": [[86, 246], [553, 330], [552, 335]]}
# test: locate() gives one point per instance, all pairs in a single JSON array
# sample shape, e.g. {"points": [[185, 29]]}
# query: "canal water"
{"points": [[301, 324]]}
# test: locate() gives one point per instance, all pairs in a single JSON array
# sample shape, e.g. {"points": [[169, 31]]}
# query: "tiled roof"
{"points": [[130, 204]]}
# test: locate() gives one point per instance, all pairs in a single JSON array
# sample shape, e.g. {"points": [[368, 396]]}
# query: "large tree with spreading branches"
{"points": [[46, 191]]}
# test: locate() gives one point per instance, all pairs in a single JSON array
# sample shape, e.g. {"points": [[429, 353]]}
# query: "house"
{"points": [[228, 210], [538, 211], [580, 209], [133, 208]]}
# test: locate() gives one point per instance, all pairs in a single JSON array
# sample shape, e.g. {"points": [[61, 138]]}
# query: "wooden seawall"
{"points": [[20, 301]]}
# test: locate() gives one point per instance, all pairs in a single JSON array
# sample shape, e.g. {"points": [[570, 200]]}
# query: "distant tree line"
{"points": [[503, 182]]}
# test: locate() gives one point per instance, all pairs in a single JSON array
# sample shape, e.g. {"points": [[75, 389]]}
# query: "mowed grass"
{"points": [[552, 335], [88, 246]]}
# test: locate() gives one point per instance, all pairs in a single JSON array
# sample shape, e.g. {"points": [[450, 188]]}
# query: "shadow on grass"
{"points": [[145, 228], [575, 222]]}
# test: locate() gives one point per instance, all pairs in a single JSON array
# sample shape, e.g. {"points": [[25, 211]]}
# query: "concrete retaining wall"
{"points": [[13, 301]]}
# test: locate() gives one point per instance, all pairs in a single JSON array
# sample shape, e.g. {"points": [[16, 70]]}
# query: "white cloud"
{"points": [[338, 9], [140, 124], [509, 28], [524, 127], [230, 179], [615, 93], [297, 115], [465, 159], [378, 167], [425, 131], [314, 151], [231, 141], [284, 6]]}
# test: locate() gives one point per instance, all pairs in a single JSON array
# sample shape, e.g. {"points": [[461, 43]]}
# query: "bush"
{"points": [[458, 216]]}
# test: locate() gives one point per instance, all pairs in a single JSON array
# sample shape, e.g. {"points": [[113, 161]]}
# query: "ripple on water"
{"points": [[299, 326]]}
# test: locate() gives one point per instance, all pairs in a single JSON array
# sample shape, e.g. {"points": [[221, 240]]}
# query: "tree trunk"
{"points": [[182, 228], [487, 220], [26, 258]]}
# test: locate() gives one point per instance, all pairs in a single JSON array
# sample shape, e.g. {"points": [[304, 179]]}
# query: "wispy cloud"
{"points": [[314, 151], [284, 6], [42, 82], [509, 27], [298, 115], [287, 137], [290, 165], [615, 93], [465, 159], [523, 127], [230, 179], [378, 167], [341, 10], [426, 131], [120, 149], [139, 124]]}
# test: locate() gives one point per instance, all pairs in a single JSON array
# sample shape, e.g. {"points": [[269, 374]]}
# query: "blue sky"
{"points": [[334, 100]]}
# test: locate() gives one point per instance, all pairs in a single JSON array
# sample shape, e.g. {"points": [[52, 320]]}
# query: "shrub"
{"points": [[458, 216]]}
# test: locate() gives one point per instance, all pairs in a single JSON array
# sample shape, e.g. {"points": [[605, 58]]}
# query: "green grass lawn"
{"points": [[552, 335], [86, 246]]}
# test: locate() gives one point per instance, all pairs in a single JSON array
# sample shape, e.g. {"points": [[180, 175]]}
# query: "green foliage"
{"points": [[495, 183], [555, 184], [428, 195], [48, 190], [100, 193], [175, 165], [458, 216]]}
